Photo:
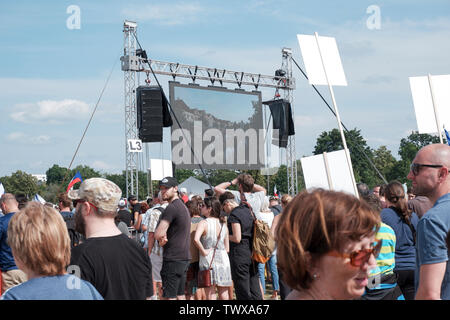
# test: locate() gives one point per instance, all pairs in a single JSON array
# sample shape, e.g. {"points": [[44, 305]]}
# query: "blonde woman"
{"points": [[40, 245]]}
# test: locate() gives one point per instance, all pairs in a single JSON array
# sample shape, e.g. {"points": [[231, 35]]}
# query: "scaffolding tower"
{"points": [[130, 65], [291, 161]]}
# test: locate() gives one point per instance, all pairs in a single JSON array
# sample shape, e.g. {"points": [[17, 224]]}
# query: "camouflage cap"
{"points": [[102, 193]]}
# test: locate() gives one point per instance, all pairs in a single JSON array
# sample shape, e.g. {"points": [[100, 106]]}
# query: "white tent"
{"points": [[194, 186]]}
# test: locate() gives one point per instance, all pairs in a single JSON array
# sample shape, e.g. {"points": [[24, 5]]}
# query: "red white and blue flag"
{"points": [[275, 191], [447, 135], [77, 178]]}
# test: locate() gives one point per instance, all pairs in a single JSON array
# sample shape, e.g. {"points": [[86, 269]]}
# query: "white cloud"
{"points": [[166, 14], [15, 136], [23, 138], [42, 139], [50, 110], [101, 165]]}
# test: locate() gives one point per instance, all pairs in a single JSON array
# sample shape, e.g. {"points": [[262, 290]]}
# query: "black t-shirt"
{"points": [[125, 216], [116, 266], [243, 216], [136, 208], [178, 233]]}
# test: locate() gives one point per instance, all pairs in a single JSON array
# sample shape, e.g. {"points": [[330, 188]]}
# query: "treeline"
{"points": [[392, 169]]}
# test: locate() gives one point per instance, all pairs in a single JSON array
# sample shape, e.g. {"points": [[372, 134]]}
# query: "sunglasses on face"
{"points": [[415, 167], [359, 257]]}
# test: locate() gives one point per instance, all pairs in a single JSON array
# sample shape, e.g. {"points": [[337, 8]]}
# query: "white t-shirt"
{"points": [[255, 199], [266, 217]]}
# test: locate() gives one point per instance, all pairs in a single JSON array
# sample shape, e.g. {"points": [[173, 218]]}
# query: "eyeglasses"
{"points": [[83, 200], [359, 257], [415, 167]]}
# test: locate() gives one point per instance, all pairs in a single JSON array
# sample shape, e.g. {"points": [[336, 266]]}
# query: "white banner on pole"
{"points": [[331, 60], [160, 169], [315, 172], [423, 102]]}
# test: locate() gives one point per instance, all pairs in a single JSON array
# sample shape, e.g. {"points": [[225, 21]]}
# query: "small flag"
{"points": [[2, 190], [77, 178], [447, 135], [38, 198], [275, 191]]}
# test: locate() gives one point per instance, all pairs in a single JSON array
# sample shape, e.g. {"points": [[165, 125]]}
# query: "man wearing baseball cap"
{"points": [[116, 265], [173, 233]]}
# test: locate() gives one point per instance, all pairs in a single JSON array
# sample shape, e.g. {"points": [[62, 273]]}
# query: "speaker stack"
{"points": [[150, 102]]}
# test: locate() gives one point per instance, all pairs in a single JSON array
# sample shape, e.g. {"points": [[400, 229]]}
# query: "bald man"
{"points": [[11, 275], [430, 178]]}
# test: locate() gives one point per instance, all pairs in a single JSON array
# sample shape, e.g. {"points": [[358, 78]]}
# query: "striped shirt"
{"points": [[386, 258]]}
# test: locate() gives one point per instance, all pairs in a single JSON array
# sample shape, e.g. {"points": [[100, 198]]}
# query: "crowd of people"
{"points": [[389, 243]]}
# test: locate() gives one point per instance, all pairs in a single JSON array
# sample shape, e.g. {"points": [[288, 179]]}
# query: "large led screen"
{"points": [[220, 128]]}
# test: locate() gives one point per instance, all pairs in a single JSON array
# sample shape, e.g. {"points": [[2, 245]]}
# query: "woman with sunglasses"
{"points": [[326, 245], [404, 223]]}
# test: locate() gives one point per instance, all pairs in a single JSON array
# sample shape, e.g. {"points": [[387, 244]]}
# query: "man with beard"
{"points": [[430, 178], [116, 265], [173, 234]]}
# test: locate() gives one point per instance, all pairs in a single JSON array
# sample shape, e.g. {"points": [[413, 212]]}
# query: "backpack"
{"points": [[76, 238], [263, 242], [141, 238]]}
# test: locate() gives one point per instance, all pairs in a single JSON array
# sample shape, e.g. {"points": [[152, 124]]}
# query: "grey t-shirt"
{"points": [[255, 199]]}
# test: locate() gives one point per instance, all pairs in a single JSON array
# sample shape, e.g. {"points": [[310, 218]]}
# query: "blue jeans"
{"points": [[273, 271]]}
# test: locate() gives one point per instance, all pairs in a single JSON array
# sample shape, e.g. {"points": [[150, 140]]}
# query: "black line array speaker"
{"points": [[152, 113]]}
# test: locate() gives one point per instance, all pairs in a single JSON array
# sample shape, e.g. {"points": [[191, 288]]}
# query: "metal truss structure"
{"points": [[132, 63], [219, 75], [130, 67], [291, 162]]}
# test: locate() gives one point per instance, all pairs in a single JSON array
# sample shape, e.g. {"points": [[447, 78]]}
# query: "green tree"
{"points": [[56, 174], [331, 141], [410, 145], [408, 149], [20, 182], [385, 162], [280, 180], [50, 192]]}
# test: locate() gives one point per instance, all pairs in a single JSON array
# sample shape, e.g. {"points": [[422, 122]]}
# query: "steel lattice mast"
{"points": [[130, 65], [291, 162]]}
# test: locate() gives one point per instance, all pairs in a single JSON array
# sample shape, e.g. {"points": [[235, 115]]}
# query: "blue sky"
{"points": [[51, 76]]}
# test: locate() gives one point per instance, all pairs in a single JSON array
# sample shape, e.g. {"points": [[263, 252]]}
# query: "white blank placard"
{"points": [[314, 172], [423, 103], [340, 172], [315, 175], [160, 169], [313, 62]]}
